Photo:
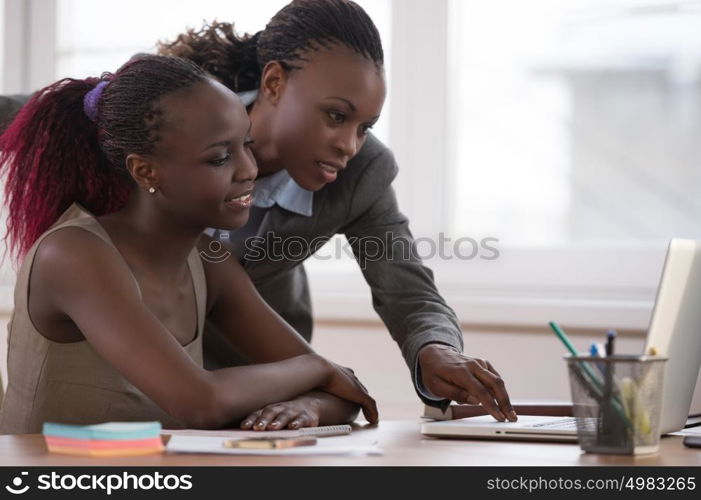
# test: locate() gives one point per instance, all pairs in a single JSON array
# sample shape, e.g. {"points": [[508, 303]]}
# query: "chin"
{"points": [[317, 186], [233, 223], [312, 183], [307, 179]]}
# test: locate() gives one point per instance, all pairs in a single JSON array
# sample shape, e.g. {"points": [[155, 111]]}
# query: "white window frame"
{"points": [[580, 287]]}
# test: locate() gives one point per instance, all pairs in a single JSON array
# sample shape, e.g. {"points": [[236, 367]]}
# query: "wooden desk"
{"points": [[400, 440]]}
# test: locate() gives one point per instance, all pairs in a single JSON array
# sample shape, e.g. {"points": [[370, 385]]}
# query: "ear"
{"points": [[142, 171], [272, 81]]}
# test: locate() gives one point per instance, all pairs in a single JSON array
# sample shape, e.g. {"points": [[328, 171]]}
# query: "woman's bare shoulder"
{"points": [[73, 255], [73, 244]]}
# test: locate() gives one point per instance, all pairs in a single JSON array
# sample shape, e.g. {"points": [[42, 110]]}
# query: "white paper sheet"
{"points": [[364, 443], [691, 431]]}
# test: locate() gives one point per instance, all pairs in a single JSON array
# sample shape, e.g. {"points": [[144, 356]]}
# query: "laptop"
{"points": [[674, 332]]}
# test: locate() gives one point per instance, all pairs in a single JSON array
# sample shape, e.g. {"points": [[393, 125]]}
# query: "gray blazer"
{"points": [[360, 204]]}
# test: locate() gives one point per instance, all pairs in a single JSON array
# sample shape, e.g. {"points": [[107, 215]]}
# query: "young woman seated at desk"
{"points": [[110, 184]]}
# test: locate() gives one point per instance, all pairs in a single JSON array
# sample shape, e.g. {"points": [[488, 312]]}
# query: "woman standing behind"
{"points": [[110, 185], [314, 83]]}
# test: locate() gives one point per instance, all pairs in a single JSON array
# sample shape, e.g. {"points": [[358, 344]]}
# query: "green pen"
{"points": [[565, 340], [597, 386], [561, 335]]}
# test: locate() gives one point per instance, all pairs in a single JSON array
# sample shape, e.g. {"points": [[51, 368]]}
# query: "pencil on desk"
{"points": [[268, 443]]}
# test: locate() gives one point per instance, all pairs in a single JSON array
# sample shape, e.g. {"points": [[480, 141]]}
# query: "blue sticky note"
{"points": [[108, 430]]}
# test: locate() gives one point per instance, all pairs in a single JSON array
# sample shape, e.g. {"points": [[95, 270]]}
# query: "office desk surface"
{"points": [[402, 444]]}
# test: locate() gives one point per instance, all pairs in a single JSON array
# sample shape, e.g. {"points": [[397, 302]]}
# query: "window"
{"points": [[578, 121], [566, 130], [86, 45]]}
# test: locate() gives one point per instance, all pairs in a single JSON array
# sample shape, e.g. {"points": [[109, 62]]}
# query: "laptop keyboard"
{"points": [[567, 423]]}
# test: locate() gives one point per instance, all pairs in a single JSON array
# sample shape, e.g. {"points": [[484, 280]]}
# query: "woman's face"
{"points": [[203, 159], [324, 112]]}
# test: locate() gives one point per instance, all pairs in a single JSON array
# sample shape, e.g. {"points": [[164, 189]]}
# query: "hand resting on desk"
{"points": [[334, 402]]}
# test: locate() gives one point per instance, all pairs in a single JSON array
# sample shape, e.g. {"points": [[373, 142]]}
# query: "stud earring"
{"points": [[152, 190]]}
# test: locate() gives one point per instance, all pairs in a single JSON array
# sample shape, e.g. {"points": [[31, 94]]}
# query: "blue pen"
{"points": [[597, 350]]}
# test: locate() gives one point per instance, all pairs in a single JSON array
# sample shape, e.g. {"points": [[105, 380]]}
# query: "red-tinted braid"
{"points": [[50, 162], [52, 155]]}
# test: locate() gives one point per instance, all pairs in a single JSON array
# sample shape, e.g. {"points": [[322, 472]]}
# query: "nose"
{"points": [[347, 141], [246, 168]]}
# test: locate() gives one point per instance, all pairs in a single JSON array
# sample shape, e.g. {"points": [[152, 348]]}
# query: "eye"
{"points": [[336, 116], [248, 142], [364, 129], [218, 162]]}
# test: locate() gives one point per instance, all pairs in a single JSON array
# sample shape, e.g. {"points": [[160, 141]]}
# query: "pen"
{"points": [[610, 426], [594, 381], [610, 339], [597, 351], [565, 340], [561, 335], [593, 350]]}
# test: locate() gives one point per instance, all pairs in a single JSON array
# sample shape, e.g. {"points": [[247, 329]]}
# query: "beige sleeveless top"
{"points": [[69, 382]]}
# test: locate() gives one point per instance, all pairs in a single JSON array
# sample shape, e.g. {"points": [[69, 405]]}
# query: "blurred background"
{"points": [[567, 132]]}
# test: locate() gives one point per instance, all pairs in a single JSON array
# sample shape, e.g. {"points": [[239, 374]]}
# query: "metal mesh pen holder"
{"points": [[616, 402]]}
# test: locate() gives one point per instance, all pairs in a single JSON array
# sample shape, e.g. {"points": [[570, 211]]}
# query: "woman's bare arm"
{"points": [[237, 310], [87, 280]]}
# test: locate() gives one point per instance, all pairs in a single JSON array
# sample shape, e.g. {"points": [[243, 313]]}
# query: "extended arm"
{"points": [[403, 291], [405, 297]]}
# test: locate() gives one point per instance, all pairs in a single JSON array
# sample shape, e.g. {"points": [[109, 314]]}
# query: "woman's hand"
{"points": [[303, 411], [344, 384], [452, 375]]}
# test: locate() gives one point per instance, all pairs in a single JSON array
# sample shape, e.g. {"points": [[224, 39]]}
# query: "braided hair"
{"points": [[53, 154], [299, 27]]}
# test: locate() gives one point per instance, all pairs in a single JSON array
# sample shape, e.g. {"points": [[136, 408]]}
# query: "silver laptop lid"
{"points": [[675, 330]]}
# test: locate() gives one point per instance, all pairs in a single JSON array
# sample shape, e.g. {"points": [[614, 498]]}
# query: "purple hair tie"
{"points": [[91, 99]]}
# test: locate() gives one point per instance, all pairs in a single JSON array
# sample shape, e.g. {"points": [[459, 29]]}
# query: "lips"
{"points": [[240, 197], [331, 167], [243, 200]]}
